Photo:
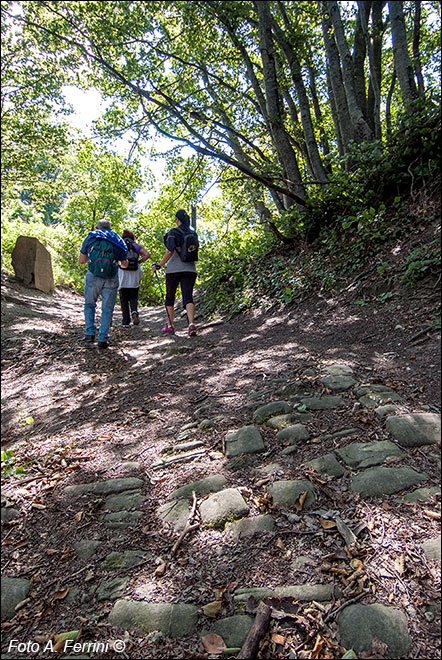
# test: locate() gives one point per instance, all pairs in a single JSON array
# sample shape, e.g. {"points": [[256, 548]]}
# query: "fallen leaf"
{"points": [[280, 545], [278, 639], [59, 595], [399, 564], [160, 569], [302, 498], [213, 643], [434, 515], [327, 524], [212, 609], [61, 639], [78, 516]]}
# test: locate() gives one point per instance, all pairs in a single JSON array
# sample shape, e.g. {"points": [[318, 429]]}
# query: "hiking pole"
{"points": [[162, 295]]}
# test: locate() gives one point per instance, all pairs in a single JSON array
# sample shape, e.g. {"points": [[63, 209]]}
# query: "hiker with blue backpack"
{"points": [[181, 254], [102, 250], [129, 279]]}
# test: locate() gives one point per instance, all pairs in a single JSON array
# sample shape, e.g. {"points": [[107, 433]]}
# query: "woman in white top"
{"points": [[129, 281]]}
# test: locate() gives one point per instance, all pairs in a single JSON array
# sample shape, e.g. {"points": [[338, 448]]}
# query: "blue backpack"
{"points": [[102, 260]]}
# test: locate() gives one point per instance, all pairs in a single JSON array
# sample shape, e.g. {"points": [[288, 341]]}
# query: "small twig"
{"points": [[24, 481], [190, 525], [341, 607], [426, 329], [188, 528]]}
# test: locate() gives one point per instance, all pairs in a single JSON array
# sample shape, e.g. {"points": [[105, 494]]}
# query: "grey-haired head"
{"points": [[103, 224]]}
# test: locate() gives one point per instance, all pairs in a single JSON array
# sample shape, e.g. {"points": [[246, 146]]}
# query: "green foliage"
{"points": [[9, 466], [420, 262]]}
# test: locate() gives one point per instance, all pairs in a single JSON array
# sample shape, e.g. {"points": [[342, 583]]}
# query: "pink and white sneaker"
{"points": [[168, 330], [192, 330]]}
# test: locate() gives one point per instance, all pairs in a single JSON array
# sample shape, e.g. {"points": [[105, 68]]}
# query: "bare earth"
{"points": [[76, 415]]}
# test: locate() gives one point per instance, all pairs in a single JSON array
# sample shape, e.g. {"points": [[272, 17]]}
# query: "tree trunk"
{"points": [[373, 42], [281, 140], [361, 129], [402, 61], [341, 116], [358, 58], [318, 115], [416, 48], [307, 125], [388, 103]]}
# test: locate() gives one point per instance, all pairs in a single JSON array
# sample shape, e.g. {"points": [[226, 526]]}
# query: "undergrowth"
{"points": [[346, 228]]}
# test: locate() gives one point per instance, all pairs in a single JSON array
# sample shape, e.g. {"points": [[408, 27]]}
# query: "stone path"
{"points": [[285, 410]]}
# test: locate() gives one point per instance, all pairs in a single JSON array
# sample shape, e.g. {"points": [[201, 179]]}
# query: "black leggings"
{"points": [[187, 282], [128, 303]]}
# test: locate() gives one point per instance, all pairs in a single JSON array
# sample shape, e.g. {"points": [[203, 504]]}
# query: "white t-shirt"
{"points": [[129, 279]]}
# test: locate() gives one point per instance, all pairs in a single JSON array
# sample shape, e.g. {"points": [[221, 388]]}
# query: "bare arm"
{"points": [[145, 255], [82, 259], [163, 261]]}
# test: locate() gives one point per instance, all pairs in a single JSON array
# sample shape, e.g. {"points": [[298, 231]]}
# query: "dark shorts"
{"points": [[186, 281]]}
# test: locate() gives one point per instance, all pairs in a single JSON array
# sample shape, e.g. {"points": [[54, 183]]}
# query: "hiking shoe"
{"points": [[168, 330], [135, 318], [103, 344], [89, 339], [192, 330]]}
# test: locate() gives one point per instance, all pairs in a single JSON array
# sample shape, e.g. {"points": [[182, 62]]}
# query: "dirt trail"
{"points": [[75, 415]]}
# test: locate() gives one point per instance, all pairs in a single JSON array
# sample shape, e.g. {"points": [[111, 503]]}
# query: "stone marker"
{"points": [[338, 370], [233, 629], [327, 464], [118, 485], [249, 527], [416, 429], [385, 481], [287, 492], [112, 589], [432, 548], [263, 413], [175, 512], [32, 264], [85, 548], [338, 383], [360, 624], [128, 499], [118, 560], [366, 454], [14, 590], [227, 505], [293, 434], [247, 440], [422, 494], [305, 592], [374, 395], [173, 620], [322, 402], [210, 484], [121, 519]]}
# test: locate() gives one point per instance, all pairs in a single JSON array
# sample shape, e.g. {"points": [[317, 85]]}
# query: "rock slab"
{"points": [[227, 505], [14, 590], [173, 620], [359, 625], [415, 430], [247, 440]]}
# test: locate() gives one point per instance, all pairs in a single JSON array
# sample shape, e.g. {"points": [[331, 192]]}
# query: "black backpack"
{"points": [[133, 258], [188, 251]]}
